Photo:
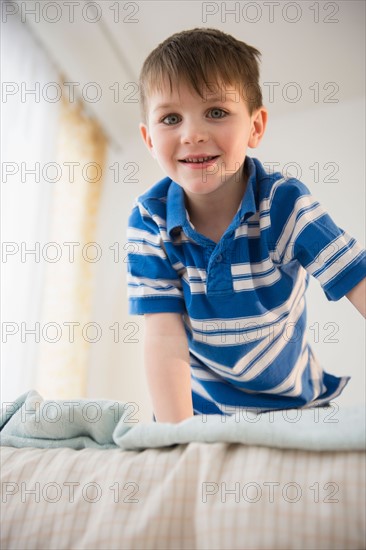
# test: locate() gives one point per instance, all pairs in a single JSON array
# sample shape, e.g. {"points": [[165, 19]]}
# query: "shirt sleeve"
{"points": [[302, 230], [153, 285]]}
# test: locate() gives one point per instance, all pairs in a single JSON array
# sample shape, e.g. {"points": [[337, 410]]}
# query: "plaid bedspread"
{"points": [[187, 496]]}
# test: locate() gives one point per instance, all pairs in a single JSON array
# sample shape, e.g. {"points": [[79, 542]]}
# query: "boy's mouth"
{"points": [[198, 160]]}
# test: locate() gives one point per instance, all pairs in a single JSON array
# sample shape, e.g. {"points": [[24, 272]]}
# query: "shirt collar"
{"points": [[248, 205], [176, 210]]}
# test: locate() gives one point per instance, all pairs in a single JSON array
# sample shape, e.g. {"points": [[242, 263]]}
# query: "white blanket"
{"points": [[32, 421]]}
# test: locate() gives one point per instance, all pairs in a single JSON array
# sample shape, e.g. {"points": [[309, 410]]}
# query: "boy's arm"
{"points": [[358, 296], [166, 358]]}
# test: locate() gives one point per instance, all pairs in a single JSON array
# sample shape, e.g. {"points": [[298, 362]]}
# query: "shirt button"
{"points": [[219, 258]]}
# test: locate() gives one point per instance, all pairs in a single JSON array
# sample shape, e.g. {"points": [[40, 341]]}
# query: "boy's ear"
{"points": [[147, 138], [259, 123]]}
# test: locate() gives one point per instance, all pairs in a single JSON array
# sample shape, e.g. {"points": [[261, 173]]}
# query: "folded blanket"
{"points": [[31, 421]]}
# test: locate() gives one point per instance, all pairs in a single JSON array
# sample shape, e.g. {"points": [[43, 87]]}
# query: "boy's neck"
{"points": [[217, 209]]}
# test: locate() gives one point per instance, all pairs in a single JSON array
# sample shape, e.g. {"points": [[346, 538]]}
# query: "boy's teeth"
{"points": [[202, 159]]}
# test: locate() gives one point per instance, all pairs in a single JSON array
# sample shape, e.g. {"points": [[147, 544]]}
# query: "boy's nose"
{"points": [[193, 133]]}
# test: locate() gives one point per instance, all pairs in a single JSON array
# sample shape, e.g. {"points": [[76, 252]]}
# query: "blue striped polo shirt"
{"points": [[242, 300]]}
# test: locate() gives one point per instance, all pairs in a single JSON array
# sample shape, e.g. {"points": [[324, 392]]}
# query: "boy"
{"points": [[221, 251]]}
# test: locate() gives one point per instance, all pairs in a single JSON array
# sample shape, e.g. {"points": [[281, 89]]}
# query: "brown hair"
{"points": [[202, 56]]}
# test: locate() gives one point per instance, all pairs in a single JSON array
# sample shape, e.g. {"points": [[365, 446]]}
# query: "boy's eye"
{"points": [[170, 119], [217, 113]]}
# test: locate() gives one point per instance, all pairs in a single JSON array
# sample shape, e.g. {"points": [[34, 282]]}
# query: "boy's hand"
{"points": [[358, 296]]}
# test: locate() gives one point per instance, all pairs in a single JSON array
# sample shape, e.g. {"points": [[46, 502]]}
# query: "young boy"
{"points": [[220, 250]]}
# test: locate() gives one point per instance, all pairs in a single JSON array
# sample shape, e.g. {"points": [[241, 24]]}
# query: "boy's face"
{"points": [[183, 128]]}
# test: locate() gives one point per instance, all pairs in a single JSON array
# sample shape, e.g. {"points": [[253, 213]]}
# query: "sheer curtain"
{"points": [[29, 127], [53, 168], [70, 282]]}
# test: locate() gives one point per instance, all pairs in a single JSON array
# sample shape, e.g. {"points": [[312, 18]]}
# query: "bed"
{"points": [[206, 483]]}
